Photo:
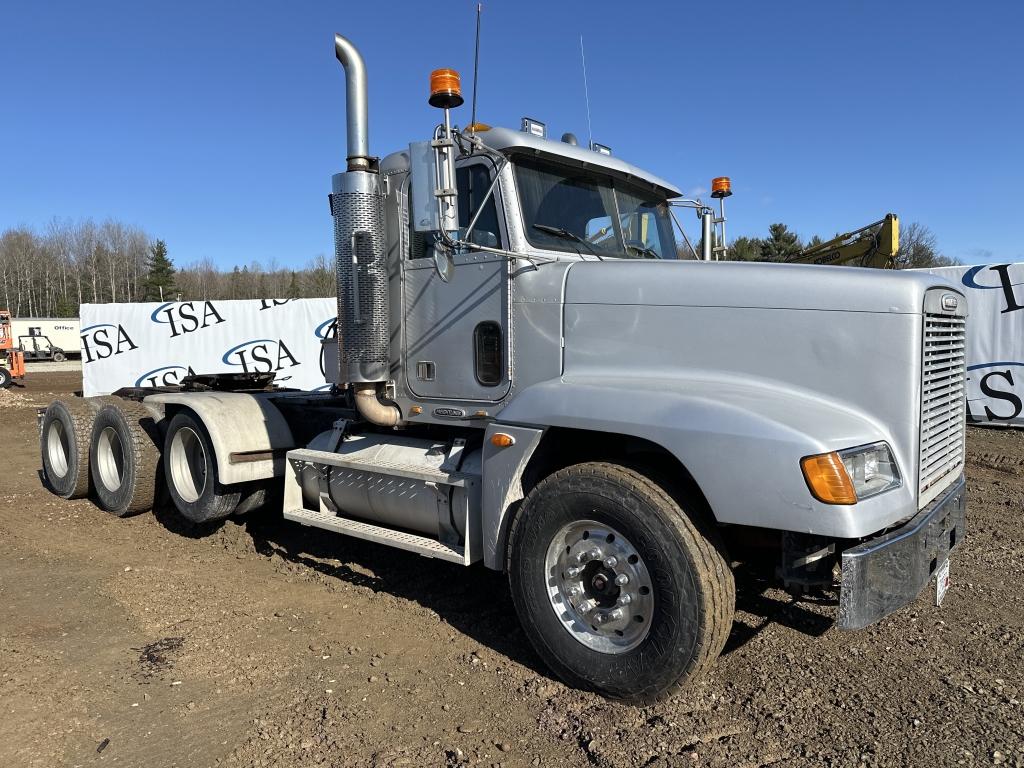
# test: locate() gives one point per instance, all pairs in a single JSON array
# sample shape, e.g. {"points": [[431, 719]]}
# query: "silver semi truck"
{"points": [[526, 376]]}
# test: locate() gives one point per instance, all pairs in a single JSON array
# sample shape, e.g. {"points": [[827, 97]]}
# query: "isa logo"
{"points": [[105, 340], [996, 277], [182, 317], [328, 329], [271, 303], [167, 376], [260, 356], [1002, 391]]}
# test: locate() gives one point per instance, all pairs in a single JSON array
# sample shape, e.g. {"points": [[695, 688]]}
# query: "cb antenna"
{"points": [[476, 65], [586, 95]]}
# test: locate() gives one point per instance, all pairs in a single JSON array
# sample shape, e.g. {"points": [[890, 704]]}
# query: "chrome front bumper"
{"points": [[884, 574]]}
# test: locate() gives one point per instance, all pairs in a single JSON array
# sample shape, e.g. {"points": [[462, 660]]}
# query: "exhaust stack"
{"points": [[357, 121], [358, 211]]}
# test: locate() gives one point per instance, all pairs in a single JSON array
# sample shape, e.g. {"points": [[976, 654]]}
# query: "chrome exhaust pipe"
{"points": [[356, 119], [357, 208]]}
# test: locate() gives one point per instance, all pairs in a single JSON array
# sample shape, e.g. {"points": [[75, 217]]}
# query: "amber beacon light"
{"points": [[721, 186], [445, 89]]}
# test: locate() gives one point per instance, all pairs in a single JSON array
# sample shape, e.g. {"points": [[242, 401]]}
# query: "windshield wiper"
{"points": [[565, 234]]}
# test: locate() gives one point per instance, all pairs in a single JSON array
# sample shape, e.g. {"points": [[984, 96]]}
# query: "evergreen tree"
{"points": [[780, 245], [745, 249], [159, 282]]}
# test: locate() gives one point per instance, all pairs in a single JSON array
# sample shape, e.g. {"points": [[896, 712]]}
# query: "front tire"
{"points": [[190, 466], [123, 458], [616, 587], [6, 379], [59, 356]]}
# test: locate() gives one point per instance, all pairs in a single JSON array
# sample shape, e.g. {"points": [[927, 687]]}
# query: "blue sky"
{"points": [[217, 125]]}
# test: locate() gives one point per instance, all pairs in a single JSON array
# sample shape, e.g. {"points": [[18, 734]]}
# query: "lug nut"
{"points": [[573, 572], [575, 591], [595, 554], [615, 615], [600, 618], [611, 561], [622, 579], [625, 599], [586, 606]]}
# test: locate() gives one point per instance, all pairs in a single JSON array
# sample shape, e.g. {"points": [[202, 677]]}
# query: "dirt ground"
{"points": [[141, 642]]}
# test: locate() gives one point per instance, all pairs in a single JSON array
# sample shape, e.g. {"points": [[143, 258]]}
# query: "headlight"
{"points": [[872, 469], [846, 477]]}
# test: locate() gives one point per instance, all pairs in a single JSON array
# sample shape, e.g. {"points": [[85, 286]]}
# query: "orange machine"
{"points": [[12, 359]]}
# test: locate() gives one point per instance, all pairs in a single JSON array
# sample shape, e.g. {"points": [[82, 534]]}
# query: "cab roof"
{"points": [[510, 141]]}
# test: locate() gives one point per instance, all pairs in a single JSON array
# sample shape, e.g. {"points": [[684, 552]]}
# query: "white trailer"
{"points": [[47, 338]]}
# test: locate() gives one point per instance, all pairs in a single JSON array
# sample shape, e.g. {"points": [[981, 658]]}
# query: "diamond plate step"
{"points": [[410, 542], [380, 467]]}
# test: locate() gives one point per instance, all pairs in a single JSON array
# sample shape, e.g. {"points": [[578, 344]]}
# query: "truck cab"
{"points": [[526, 375]]}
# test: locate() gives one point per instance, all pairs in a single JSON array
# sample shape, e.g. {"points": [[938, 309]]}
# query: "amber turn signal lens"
{"points": [[445, 89], [828, 480], [501, 440]]}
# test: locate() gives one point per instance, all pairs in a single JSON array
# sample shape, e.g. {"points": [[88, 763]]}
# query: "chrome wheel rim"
{"points": [[188, 464], [57, 449], [110, 459], [599, 587]]}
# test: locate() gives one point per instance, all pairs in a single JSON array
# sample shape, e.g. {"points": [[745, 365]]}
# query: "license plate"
{"points": [[941, 582]]}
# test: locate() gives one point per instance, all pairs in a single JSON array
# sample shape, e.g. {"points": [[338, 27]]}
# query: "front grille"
{"points": [[943, 403]]}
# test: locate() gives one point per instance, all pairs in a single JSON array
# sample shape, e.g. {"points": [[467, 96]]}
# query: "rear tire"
{"points": [[190, 466], [616, 587], [64, 445], [123, 458]]}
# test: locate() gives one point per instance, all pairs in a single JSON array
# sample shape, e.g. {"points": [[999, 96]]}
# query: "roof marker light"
{"points": [[534, 127]]}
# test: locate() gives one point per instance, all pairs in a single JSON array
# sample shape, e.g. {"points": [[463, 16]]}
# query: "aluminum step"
{"points": [[380, 467], [411, 542]]}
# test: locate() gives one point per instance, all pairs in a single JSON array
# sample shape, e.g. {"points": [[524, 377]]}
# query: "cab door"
{"points": [[455, 334]]}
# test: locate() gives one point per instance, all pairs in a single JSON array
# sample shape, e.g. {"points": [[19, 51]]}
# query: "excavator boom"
{"points": [[874, 245]]}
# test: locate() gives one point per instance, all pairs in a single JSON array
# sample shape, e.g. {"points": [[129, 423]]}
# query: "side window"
{"points": [[472, 183], [487, 356]]}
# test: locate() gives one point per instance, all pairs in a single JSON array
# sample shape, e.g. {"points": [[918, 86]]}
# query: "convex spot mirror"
{"points": [[444, 265]]}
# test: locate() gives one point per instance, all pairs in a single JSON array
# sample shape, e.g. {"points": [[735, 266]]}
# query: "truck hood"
{"points": [[747, 284]]}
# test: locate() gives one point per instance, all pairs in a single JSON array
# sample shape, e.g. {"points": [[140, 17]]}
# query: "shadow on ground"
{"points": [[477, 602]]}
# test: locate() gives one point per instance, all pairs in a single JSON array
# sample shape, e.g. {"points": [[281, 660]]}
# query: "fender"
{"points": [[741, 439], [238, 423]]}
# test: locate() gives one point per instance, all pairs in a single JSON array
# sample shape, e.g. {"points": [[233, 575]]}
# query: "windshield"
{"points": [[581, 211]]}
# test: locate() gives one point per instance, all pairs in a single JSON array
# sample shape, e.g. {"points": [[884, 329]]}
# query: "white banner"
{"points": [[125, 345], [995, 340]]}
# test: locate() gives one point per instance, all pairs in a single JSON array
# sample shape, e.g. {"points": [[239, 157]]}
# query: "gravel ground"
{"points": [[143, 642]]}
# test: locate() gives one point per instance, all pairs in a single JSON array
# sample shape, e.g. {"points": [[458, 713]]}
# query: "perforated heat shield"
{"points": [[357, 208]]}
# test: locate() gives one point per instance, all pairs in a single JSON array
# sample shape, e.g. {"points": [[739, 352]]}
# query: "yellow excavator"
{"points": [[875, 246]]}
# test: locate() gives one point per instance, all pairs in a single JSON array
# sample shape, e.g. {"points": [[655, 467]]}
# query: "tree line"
{"points": [[49, 272]]}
